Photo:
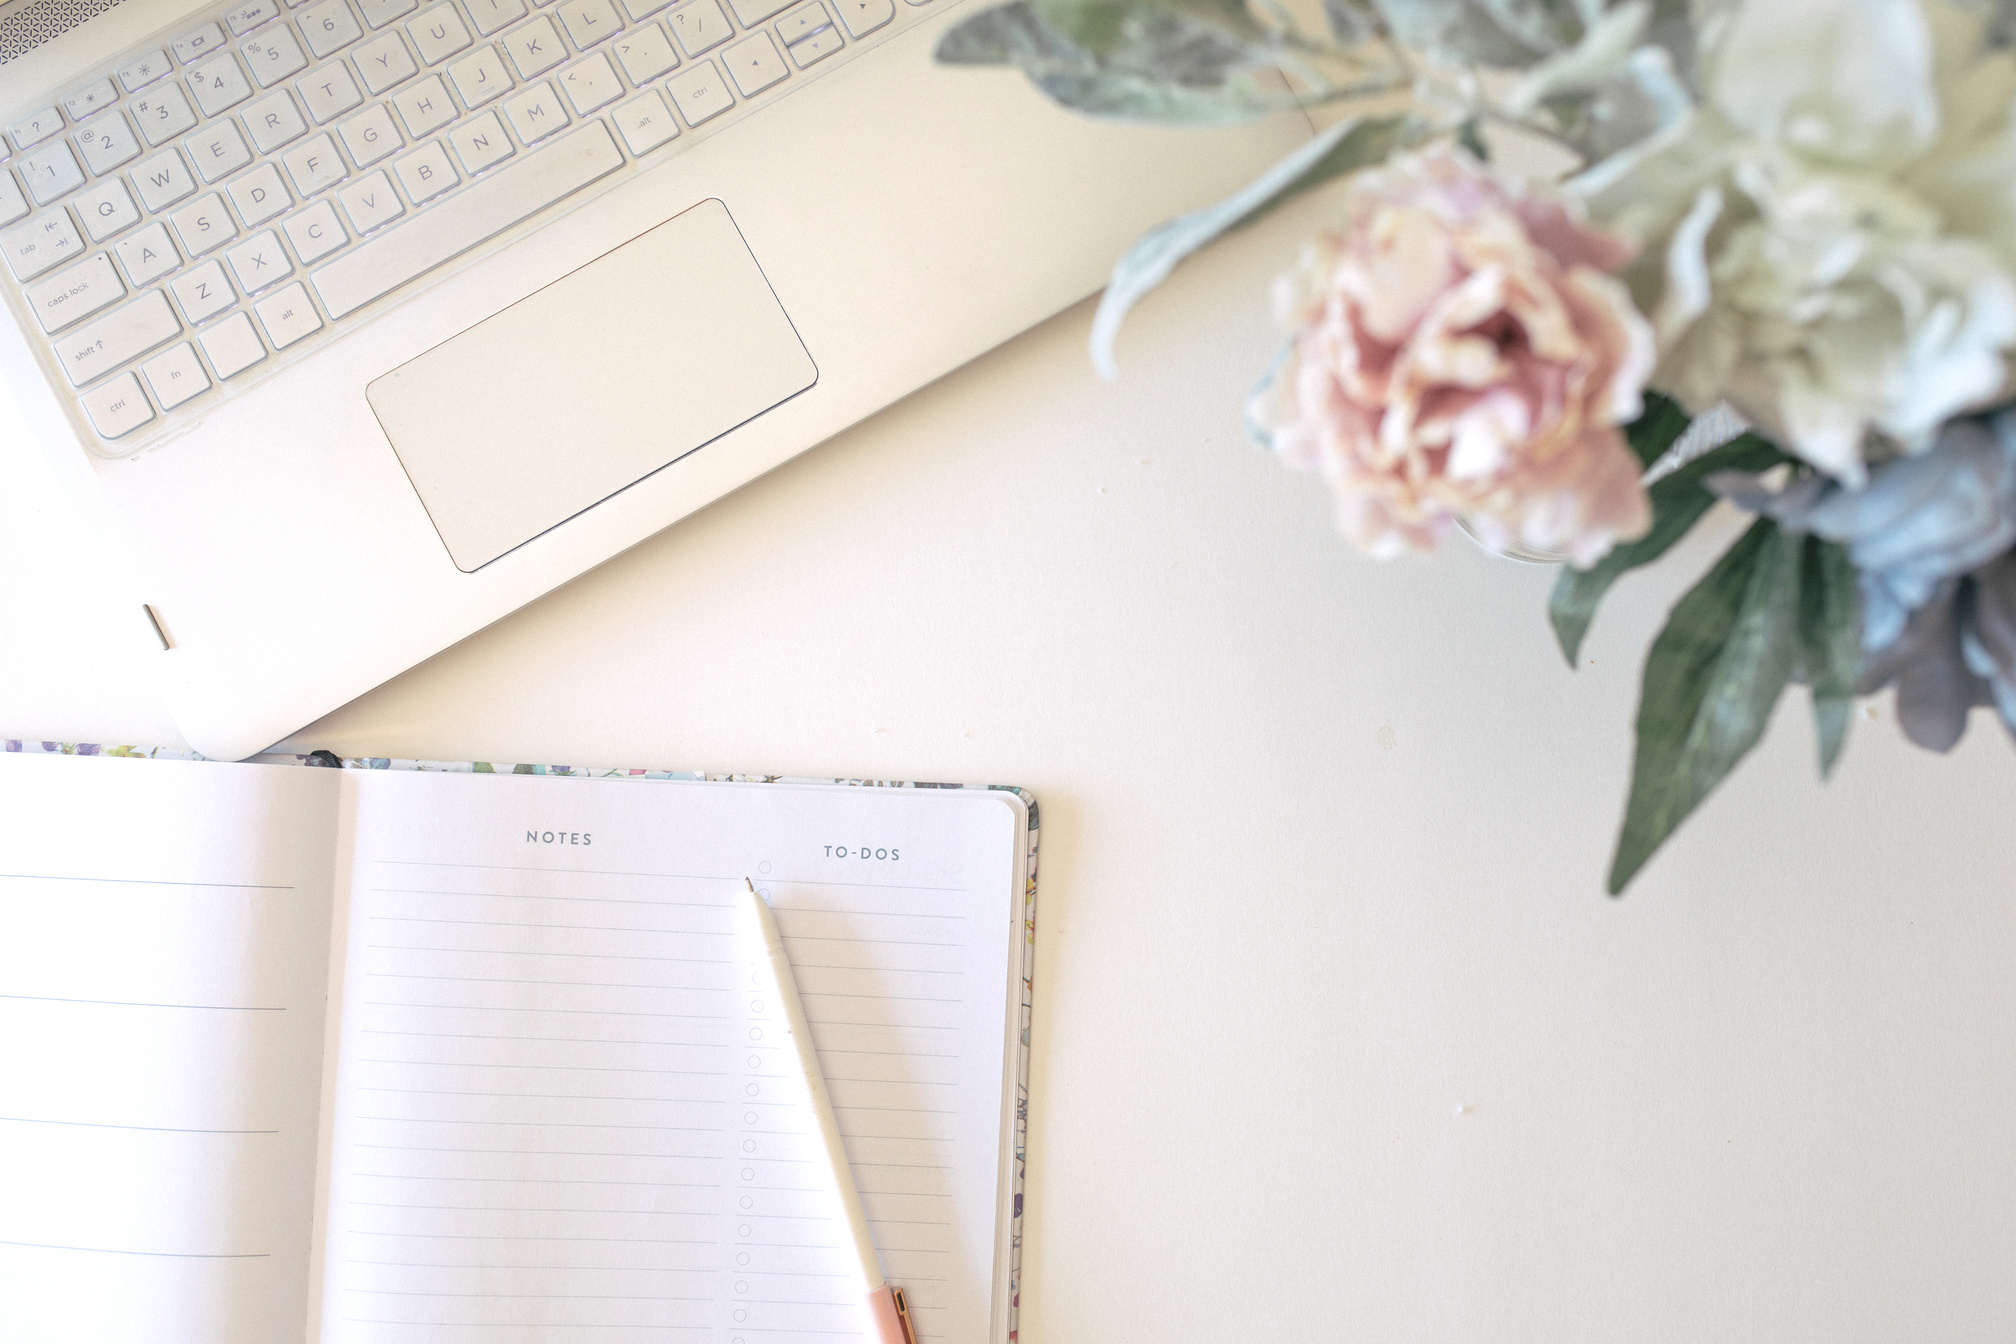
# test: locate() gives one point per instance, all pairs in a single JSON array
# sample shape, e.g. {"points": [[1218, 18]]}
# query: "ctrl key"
{"points": [[119, 407]]}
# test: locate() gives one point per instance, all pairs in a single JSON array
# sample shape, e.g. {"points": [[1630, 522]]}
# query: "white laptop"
{"points": [[365, 322]]}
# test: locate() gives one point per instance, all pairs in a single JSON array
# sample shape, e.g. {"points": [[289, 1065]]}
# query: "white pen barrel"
{"points": [[815, 1083]]}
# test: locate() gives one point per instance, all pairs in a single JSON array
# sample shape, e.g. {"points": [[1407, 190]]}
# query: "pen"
{"points": [[886, 1303]]}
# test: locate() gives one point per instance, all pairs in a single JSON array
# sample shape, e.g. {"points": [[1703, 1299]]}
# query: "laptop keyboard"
{"points": [[208, 210]]}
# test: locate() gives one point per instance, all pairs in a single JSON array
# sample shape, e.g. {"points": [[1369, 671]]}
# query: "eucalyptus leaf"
{"points": [[1341, 149], [1594, 59], [1678, 501], [1830, 636], [1352, 22], [1509, 34], [1711, 681], [1107, 27], [1153, 63]]}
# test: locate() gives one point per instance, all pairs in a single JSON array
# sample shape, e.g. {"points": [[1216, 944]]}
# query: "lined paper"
{"points": [[564, 1108], [161, 990]]}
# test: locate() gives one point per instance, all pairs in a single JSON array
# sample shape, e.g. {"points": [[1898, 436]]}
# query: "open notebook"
{"points": [[451, 1053]]}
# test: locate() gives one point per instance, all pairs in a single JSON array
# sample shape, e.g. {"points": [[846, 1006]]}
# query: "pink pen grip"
{"points": [[892, 1316]]}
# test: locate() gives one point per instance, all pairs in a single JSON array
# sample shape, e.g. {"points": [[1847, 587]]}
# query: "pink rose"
{"points": [[1461, 351]]}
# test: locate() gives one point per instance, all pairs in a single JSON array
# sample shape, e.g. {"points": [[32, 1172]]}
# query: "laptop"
{"points": [[362, 323]]}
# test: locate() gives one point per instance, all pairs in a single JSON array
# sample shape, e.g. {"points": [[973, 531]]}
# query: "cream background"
{"points": [[1336, 1035]]}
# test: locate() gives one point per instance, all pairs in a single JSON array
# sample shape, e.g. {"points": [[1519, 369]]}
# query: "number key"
{"points": [[51, 171], [328, 27], [164, 113]]}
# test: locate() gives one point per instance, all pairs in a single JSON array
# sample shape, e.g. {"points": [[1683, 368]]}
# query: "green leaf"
{"points": [[1678, 501], [1105, 27], [1341, 149], [1657, 428], [1713, 676], [1158, 64], [1830, 636]]}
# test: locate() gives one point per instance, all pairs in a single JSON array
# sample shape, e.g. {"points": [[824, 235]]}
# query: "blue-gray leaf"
{"points": [[1341, 149]]}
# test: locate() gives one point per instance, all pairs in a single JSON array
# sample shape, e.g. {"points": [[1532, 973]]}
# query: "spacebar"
{"points": [[459, 223]]}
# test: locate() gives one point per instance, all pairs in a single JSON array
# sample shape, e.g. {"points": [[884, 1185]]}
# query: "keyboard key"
{"points": [[491, 15], [426, 172], [486, 209], [259, 263], [36, 127], [175, 375], [245, 17], [274, 56], [480, 76], [273, 121], [203, 293], [163, 180], [384, 62], [816, 47], [107, 142], [90, 99], [535, 114], [74, 293], [370, 136], [438, 33], [106, 209], [535, 48], [50, 172], [753, 12], [47, 240], [204, 225], [425, 107], [329, 92], [217, 151], [140, 73], [315, 233], [863, 17], [163, 113], [124, 334], [328, 27], [646, 122], [754, 64], [13, 201], [700, 93], [219, 84], [589, 21], [700, 26], [378, 13], [259, 195], [118, 408], [192, 47], [288, 316], [591, 84], [646, 53], [481, 143], [232, 346], [148, 255], [371, 203], [802, 22], [314, 165]]}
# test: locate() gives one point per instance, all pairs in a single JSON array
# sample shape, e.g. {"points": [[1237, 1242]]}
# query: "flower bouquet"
{"points": [[1799, 211]]}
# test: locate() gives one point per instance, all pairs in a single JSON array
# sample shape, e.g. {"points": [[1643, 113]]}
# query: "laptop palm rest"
{"points": [[587, 386]]}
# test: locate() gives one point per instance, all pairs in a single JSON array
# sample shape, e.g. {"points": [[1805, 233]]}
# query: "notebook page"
{"points": [[561, 1112], [163, 958]]}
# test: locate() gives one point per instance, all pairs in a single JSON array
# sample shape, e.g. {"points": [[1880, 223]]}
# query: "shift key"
{"points": [[116, 338]]}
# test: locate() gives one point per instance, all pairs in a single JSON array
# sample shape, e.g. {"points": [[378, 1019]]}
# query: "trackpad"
{"points": [[590, 385]]}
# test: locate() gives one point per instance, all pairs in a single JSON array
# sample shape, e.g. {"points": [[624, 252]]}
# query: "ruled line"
{"points": [[553, 1297], [155, 1129], [682, 877], [513, 952], [565, 1068], [535, 1152], [149, 882], [513, 980], [569, 1096], [542, 925], [535, 1180], [573, 1040], [125, 1003], [592, 1012], [515, 1208], [547, 1124], [170, 1255]]}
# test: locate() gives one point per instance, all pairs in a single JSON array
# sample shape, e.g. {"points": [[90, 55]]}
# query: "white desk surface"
{"points": [[1337, 1036]]}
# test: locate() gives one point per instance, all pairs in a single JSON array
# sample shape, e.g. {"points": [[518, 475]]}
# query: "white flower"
{"points": [[1830, 237]]}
